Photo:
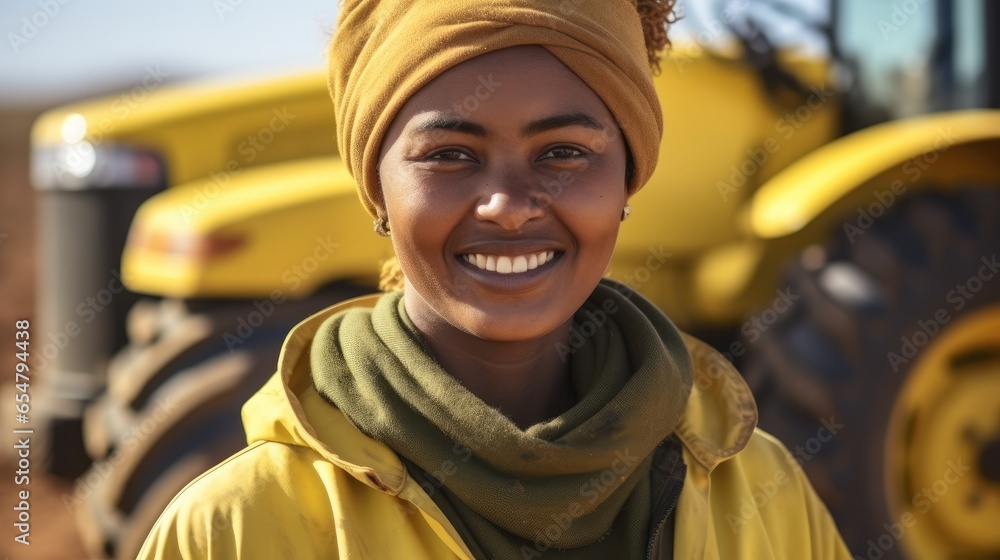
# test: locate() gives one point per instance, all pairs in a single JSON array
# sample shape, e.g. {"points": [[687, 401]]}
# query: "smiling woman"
{"points": [[497, 143], [467, 202]]}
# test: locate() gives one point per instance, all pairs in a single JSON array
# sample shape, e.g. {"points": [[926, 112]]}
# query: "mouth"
{"points": [[510, 264]]}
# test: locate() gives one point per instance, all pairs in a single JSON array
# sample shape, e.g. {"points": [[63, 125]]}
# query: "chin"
{"points": [[509, 325]]}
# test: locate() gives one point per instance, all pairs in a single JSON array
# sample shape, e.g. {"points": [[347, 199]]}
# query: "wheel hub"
{"points": [[989, 461], [943, 448]]}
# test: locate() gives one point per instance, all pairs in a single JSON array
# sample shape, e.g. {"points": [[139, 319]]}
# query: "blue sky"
{"points": [[94, 46], [90, 47]]}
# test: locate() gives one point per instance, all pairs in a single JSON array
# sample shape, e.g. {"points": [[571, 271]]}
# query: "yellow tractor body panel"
{"points": [[203, 128], [924, 149], [720, 282], [288, 227], [865, 171], [723, 136]]}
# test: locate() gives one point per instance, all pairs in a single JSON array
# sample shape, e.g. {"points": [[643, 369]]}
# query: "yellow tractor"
{"points": [[830, 226]]}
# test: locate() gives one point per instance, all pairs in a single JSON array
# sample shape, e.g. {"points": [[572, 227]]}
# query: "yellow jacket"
{"points": [[311, 486]]}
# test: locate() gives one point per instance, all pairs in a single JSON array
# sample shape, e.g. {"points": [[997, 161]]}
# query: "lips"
{"points": [[508, 264]]}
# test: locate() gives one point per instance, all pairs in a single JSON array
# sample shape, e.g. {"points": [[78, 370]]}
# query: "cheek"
{"points": [[597, 237], [593, 211], [419, 213], [420, 220]]}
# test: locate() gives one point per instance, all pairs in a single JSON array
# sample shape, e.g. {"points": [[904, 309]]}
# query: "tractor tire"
{"points": [[172, 407], [840, 375]]}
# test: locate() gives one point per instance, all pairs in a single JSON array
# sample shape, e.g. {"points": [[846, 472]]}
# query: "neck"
{"points": [[527, 380]]}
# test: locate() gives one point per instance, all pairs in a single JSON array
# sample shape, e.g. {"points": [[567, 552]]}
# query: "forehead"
{"points": [[516, 83]]}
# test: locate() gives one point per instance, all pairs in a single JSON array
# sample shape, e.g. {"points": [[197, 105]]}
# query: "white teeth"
{"points": [[509, 265]]}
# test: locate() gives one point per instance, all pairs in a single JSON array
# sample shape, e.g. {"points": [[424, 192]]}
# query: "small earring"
{"points": [[382, 226], [626, 211]]}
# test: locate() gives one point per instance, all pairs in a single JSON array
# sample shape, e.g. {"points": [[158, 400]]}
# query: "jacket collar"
{"points": [[288, 409], [721, 413]]}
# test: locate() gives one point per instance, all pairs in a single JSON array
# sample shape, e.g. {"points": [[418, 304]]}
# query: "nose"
{"points": [[511, 203]]}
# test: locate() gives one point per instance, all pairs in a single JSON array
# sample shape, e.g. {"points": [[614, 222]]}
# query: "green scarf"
{"points": [[578, 480]]}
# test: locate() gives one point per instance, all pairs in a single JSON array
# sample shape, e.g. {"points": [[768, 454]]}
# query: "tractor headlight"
{"points": [[77, 163]]}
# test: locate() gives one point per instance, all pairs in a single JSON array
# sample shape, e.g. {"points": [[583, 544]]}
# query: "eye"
{"points": [[450, 155], [564, 153]]}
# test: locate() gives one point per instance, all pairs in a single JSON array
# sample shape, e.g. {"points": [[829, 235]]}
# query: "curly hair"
{"points": [[656, 17]]}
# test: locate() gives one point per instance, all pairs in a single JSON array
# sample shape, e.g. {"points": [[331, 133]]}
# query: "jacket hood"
{"points": [[717, 423]]}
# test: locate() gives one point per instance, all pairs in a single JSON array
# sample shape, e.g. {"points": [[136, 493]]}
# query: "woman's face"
{"points": [[504, 182]]}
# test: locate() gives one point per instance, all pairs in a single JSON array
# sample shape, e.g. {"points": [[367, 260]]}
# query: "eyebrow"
{"points": [[534, 127], [450, 123], [560, 121]]}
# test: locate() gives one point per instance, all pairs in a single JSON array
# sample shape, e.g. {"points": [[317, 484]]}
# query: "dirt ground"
{"points": [[53, 532]]}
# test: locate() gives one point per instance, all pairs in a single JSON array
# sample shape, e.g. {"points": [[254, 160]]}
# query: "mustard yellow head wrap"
{"points": [[384, 51]]}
